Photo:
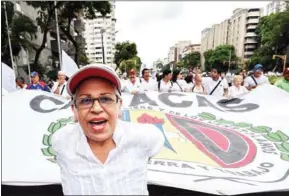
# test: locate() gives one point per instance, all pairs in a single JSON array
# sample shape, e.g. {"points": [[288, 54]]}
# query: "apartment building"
{"points": [[276, 6], [191, 48], [238, 31], [96, 30]]}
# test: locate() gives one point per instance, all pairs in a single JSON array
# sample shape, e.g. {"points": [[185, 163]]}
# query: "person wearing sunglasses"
{"points": [[101, 154]]}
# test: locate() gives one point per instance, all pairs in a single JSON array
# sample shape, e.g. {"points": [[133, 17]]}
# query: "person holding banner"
{"points": [[165, 84], [133, 85], [256, 79], [147, 83], [59, 87], [37, 84], [284, 82], [237, 90], [20, 83], [100, 154], [215, 85]]}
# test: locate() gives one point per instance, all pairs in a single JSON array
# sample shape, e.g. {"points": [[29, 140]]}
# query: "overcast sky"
{"points": [[155, 26]]}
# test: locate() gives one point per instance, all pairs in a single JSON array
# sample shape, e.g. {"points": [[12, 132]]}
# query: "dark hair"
{"points": [[175, 75], [21, 79], [189, 78], [166, 72], [144, 70], [218, 71]]}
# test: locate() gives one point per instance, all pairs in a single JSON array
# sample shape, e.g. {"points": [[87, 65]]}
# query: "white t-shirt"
{"points": [[235, 92], [130, 87], [210, 84], [165, 87], [148, 86], [62, 89], [249, 82], [125, 169], [198, 90]]}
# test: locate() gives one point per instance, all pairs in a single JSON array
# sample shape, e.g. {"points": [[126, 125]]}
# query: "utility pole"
{"points": [[102, 30], [9, 41], [58, 36], [229, 61]]}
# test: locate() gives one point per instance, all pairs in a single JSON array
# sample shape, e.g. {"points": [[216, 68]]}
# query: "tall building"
{"points": [[180, 46], [238, 31], [276, 6], [171, 55], [94, 30], [191, 48]]}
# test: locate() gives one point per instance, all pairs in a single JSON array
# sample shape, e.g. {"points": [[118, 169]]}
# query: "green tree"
{"points": [[220, 57], [22, 31], [45, 20], [273, 38], [127, 65], [192, 59], [70, 10], [124, 51]]}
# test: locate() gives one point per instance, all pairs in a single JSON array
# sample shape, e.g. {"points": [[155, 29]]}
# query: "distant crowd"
{"points": [[214, 83]]}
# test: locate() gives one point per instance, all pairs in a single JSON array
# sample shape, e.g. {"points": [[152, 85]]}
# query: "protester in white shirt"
{"points": [[20, 83], [100, 154], [237, 90], [179, 85], [59, 87], [146, 82], [190, 82], [133, 85], [215, 85], [257, 79], [198, 87], [165, 84]]}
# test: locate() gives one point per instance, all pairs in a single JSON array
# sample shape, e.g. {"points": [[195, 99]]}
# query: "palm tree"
{"points": [[22, 31]]}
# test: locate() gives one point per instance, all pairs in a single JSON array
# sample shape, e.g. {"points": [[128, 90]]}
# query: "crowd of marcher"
{"points": [[214, 83]]}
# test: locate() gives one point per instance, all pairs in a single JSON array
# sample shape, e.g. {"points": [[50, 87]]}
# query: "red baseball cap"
{"points": [[131, 72], [102, 71]]}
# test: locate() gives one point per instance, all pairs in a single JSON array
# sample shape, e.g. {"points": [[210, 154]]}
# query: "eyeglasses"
{"points": [[106, 100]]}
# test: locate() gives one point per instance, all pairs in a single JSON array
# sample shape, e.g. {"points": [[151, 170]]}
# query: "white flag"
{"points": [[8, 78], [69, 67]]}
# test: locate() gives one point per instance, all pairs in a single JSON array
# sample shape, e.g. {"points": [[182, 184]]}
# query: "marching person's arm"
{"points": [[247, 83], [226, 88]]}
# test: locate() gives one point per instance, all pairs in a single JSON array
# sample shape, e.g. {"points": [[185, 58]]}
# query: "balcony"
{"points": [[250, 34], [253, 14], [253, 21], [248, 53], [250, 46], [250, 41], [252, 27]]}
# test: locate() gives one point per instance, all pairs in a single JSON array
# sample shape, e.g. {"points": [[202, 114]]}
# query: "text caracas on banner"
{"points": [[212, 145]]}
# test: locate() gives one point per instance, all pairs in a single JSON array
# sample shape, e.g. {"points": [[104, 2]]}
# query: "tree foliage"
{"points": [[133, 63], [220, 57], [273, 38], [22, 31], [125, 51], [192, 59], [70, 10]]}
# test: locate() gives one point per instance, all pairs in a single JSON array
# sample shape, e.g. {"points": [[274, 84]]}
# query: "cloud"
{"points": [[155, 26]]}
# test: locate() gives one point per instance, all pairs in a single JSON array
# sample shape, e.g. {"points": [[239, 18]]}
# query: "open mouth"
{"points": [[98, 126]]}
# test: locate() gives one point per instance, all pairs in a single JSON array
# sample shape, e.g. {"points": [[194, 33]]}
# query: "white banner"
{"points": [[69, 67], [212, 145], [8, 78]]}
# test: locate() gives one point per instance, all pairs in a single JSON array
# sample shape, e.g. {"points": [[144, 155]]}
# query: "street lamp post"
{"points": [[283, 57], [102, 46]]}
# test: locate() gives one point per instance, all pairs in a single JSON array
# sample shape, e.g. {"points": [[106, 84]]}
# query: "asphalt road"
{"points": [[56, 190]]}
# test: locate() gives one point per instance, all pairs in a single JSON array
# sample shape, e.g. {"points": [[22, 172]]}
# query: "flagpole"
{"points": [[58, 37], [9, 41]]}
